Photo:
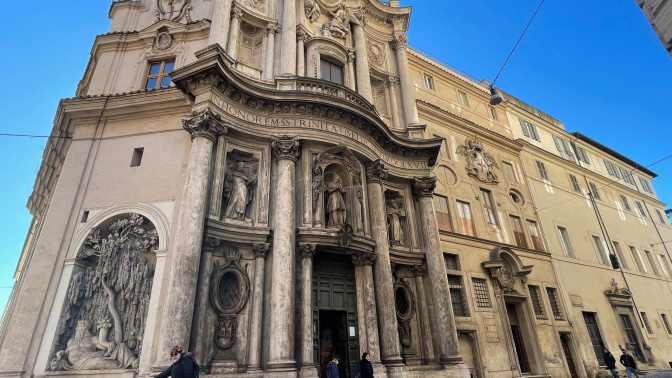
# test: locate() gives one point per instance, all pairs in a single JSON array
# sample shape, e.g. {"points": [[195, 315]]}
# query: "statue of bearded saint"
{"points": [[395, 215], [238, 188], [335, 204]]}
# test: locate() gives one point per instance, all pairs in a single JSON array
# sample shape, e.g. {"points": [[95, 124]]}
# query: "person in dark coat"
{"points": [[610, 360], [365, 368], [182, 367], [629, 363], [332, 368]]}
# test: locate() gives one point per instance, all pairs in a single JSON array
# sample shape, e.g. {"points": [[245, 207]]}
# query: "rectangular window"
{"points": [[667, 324], [660, 216], [542, 171], [564, 148], [457, 296], [466, 218], [136, 160], [640, 209], [664, 265], [518, 232], [566, 244], [625, 203], [510, 173], [481, 292], [594, 191], [555, 304], [493, 114], [489, 209], [429, 82], [621, 256], [638, 259], [645, 185], [647, 325], [612, 169], [627, 176], [331, 72], [575, 183], [442, 213], [600, 250], [452, 262], [463, 98], [85, 217], [537, 305], [529, 130], [536, 235], [649, 257], [157, 77], [582, 155]]}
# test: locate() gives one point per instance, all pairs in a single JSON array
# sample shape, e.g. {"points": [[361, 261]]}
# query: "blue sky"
{"points": [[595, 65]]}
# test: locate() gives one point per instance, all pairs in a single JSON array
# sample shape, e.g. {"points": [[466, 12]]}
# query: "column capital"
{"points": [[301, 34], [363, 258], [393, 80], [376, 171], [307, 250], [260, 250], [424, 186], [204, 123], [418, 270], [285, 147], [236, 12], [210, 242], [399, 41]]}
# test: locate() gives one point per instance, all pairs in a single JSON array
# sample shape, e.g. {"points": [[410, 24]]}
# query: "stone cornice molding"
{"points": [[307, 250], [285, 147], [260, 250], [332, 103], [204, 124], [385, 15], [363, 258], [376, 172], [424, 186]]}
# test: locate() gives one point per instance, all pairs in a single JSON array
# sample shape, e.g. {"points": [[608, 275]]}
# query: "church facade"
{"points": [[271, 183]]}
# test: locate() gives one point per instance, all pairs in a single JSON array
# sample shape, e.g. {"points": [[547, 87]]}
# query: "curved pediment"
{"points": [[309, 103]]}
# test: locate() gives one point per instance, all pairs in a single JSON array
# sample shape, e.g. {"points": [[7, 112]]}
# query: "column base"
{"points": [[229, 366], [459, 370], [449, 361], [308, 371], [395, 371], [395, 361], [281, 368]]}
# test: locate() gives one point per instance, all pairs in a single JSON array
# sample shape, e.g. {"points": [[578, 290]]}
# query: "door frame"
{"points": [[576, 353]]}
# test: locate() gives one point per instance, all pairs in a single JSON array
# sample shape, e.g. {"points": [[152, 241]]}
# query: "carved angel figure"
{"points": [[395, 217], [312, 9], [336, 211], [238, 189], [338, 25]]}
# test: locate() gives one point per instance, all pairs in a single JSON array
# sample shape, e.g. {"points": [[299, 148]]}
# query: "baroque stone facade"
{"points": [[295, 197]]}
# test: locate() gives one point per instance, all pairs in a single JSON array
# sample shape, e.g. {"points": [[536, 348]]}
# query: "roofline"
{"points": [[613, 153]]}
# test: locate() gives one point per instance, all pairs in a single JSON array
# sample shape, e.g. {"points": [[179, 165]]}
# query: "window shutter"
{"points": [[567, 147], [533, 129], [558, 144], [523, 125]]}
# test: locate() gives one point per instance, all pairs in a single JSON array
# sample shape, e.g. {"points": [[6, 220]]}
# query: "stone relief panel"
{"points": [[377, 55], [339, 22], [312, 10], [173, 10], [239, 187], [249, 45], [396, 218], [259, 6], [480, 164], [103, 319]]}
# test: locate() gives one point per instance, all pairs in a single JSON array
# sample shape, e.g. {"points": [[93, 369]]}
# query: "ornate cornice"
{"points": [[424, 186], [209, 243], [364, 258], [285, 147], [376, 172], [307, 250], [205, 124], [260, 250]]}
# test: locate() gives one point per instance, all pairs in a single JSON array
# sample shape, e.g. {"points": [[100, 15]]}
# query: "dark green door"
{"points": [[335, 312], [632, 336], [595, 336]]}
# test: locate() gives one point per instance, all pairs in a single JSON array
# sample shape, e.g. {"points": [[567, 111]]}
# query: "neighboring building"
{"points": [[334, 193], [659, 14]]}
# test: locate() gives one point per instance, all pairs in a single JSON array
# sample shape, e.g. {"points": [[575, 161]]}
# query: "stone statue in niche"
{"points": [[396, 216], [111, 296], [239, 185], [339, 24], [312, 10], [336, 210]]}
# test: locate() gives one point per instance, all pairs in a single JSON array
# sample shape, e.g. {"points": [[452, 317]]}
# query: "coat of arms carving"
{"points": [[480, 164], [173, 10]]}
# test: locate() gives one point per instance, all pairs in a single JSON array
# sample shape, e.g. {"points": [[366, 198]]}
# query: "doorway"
{"points": [[333, 340], [568, 356], [518, 340], [632, 336], [595, 336]]}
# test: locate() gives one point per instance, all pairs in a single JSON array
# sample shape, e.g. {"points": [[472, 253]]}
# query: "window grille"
{"points": [[481, 292], [535, 296], [555, 304], [457, 296]]}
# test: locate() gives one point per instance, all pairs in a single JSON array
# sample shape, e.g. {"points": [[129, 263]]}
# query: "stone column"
{"points": [[423, 188], [387, 317], [362, 63], [300, 52], [219, 29], [288, 48], [307, 364], [395, 111], [351, 82], [408, 99], [232, 45], [256, 313], [269, 32], [209, 245], [363, 263], [425, 330], [178, 309], [281, 355]]}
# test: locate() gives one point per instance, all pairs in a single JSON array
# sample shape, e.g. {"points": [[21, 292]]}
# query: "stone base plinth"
{"points": [[224, 367]]}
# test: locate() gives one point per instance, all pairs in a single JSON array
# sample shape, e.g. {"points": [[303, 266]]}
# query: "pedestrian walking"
{"points": [[610, 360], [332, 368], [183, 365], [365, 368], [629, 363]]}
